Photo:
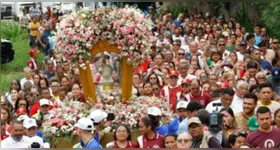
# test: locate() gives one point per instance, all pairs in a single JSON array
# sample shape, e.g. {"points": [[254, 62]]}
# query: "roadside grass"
{"points": [[14, 69]]}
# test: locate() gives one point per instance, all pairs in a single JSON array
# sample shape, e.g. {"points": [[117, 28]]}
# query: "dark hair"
{"points": [[203, 116], [263, 110], [146, 83], [216, 93], [251, 96], [168, 135], [127, 129], [194, 106], [254, 87], [265, 85], [148, 122], [252, 64], [274, 61], [250, 36], [228, 91], [232, 138]]}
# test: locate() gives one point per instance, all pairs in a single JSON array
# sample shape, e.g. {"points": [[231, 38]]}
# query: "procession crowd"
{"points": [[221, 82]]}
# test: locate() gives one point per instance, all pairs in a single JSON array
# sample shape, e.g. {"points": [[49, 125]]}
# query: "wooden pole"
{"points": [[126, 79], [87, 82]]}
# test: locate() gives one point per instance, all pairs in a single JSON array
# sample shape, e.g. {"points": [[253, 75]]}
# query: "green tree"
{"points": [[271, 18]]}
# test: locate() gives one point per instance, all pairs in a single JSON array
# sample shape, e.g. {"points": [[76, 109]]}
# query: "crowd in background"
{"points": [[198, 63]]}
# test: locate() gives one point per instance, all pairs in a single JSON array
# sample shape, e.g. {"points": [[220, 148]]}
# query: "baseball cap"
{"points": [[44, 102], [97, 115], [22, 117], [33, 51], [182, 104], [186, 80], [173, 73], [194, 120], [242, 43], [275, 73], [253, 124], [154, 111], [29, 122], [85, 124]]}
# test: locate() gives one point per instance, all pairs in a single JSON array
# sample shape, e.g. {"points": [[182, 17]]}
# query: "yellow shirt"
{"points": [[34, 25]]}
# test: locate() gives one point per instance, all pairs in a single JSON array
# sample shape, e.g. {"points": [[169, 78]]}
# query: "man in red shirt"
{"points": [[170, 91], [197, 95], [32, 62], [44, 94], [266, 136]]}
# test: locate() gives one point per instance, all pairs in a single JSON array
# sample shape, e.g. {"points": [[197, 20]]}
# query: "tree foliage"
{"points": [[271, 18]]}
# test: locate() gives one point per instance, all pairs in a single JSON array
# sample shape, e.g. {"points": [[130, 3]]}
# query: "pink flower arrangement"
{"points": [[127, 27], [131, 113], [59, 123]]}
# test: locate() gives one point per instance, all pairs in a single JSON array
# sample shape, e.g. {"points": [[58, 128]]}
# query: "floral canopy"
{"points": [[127, 27]]}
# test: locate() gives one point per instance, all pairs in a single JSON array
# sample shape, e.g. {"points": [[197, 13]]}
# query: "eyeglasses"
{"points": [[181, 54], [241, 133], [183, 140], [22, 104]]}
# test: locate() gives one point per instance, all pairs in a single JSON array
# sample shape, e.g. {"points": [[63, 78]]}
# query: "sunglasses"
{"points": [[275, 42], [241, 133], [222, 44], [181, 54]]}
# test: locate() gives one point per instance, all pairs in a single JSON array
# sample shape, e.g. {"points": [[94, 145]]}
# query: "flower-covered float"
{"points": [[58, 126], [88, 32]]}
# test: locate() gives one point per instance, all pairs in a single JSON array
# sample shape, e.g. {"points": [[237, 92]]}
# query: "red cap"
{"points": [[33, 51], [186, 80], [173, 73], [225, 84], [21, 111]]}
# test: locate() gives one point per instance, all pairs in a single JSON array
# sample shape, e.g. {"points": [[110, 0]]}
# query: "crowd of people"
{"points": [[221, 83]]}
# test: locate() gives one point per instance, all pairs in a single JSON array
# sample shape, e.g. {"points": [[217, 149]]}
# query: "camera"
{"points": [[215, 119]]}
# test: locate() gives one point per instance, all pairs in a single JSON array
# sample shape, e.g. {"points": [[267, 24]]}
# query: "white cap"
{"points": [[154, 111], [29, 122], [97, 115], [44, 102], [85, 124], [36, 139], [182, 104], [22, 117]]}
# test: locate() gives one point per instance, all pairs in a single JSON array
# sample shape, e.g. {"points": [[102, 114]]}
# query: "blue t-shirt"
{"points": [[96, 137], [173, 126], [92, 143], [162, 130], [258, 40]]}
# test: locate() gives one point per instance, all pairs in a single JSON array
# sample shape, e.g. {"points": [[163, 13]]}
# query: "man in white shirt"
{"points": [[225, 100], [241, 89], [27, 77], [17, 138]]}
